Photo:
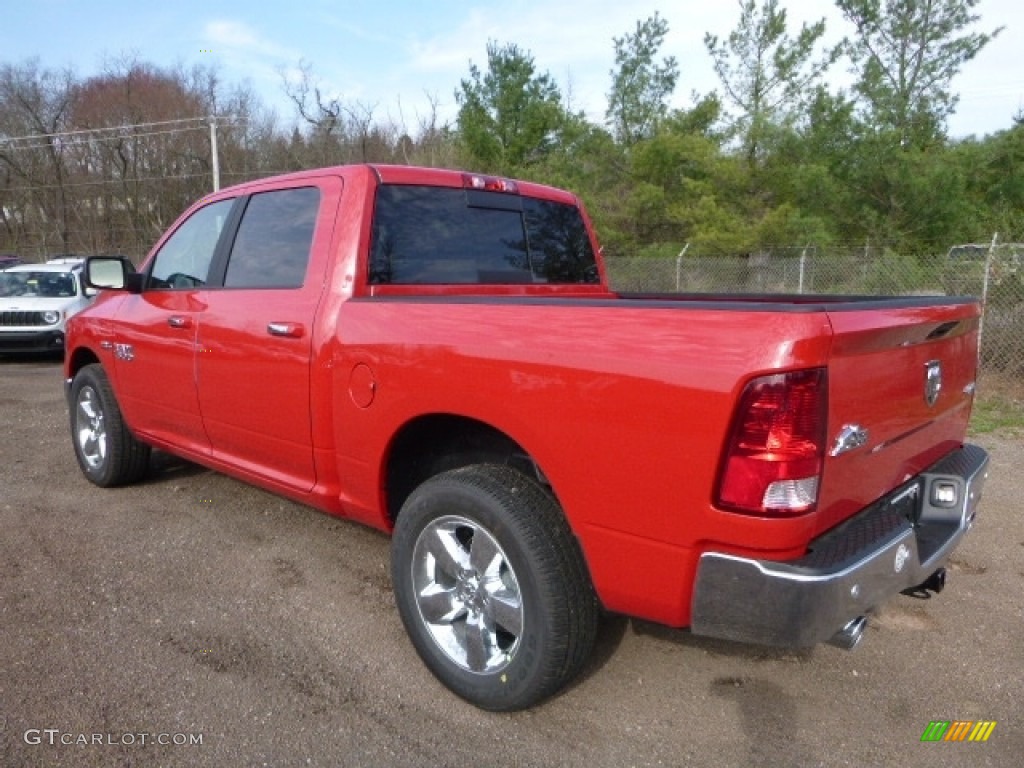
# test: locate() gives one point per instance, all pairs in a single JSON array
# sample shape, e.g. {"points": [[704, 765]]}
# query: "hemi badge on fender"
{"points": [[851, 436]]}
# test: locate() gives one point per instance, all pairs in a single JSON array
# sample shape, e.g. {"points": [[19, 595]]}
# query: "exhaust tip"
{"points": [[849, 636]]}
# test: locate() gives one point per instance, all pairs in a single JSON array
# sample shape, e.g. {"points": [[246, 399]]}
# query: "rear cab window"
{"points": [[428, 235]]}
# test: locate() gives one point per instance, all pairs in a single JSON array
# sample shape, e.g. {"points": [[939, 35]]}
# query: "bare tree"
{"points": [[339, 131], [148, 153], [34, 111]]}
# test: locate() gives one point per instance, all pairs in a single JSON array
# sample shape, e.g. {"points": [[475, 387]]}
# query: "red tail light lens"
{"points": [[773, 460]]}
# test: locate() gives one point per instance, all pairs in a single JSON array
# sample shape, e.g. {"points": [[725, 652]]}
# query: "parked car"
{"points": [[439, 355], [36, 301], [8, 260]]}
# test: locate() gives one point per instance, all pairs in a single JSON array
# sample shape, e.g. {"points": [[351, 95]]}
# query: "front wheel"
{"points": [[107, 451], [491, 586]]}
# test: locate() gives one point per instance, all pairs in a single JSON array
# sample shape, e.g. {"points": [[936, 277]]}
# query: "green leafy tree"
{"points": [[765, 72], [641, 86], [510, 115], [908, 52], [994, 169], [906, 186], [684, 189], [810, 168], [588, 161]]}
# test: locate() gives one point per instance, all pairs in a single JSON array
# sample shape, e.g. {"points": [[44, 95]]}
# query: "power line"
{"points": [[154, 124], [100, 182], [89, 141], [248, 175], [119, 137]]}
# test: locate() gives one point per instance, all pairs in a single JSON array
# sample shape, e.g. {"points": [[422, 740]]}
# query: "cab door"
{"points": [[255, 338], [154, 350]]}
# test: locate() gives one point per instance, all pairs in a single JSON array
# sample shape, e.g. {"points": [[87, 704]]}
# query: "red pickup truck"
{"points": [[438, 354]]}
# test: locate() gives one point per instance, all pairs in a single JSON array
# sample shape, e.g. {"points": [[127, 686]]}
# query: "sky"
{"points": [[398, 57]]}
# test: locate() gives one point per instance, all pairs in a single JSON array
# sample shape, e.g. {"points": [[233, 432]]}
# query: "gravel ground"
{"points": [[195, 608]]}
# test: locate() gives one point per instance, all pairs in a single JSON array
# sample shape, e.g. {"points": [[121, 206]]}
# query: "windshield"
{"points": [[50, 285]]}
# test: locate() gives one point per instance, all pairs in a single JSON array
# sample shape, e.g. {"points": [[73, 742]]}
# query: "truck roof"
{"points": [[410, 174]]}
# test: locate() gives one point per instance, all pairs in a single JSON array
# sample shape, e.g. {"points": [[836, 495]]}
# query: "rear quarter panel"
{"points": [[623, 407]]}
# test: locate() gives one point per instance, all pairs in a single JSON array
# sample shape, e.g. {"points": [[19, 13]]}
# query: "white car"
{"points": [[35, 302]]}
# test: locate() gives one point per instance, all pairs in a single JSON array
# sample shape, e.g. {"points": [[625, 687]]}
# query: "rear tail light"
{"points": [[773, 460]]}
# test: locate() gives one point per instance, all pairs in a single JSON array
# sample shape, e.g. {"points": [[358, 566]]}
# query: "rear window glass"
{"points": [[435, 235]]}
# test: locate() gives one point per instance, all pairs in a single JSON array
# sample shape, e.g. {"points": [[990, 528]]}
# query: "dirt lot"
{"points": [[193, 607]]}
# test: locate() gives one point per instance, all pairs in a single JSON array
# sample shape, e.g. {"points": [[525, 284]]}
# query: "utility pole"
{"points": [[213, 153], [679, 266], [984, 291]]}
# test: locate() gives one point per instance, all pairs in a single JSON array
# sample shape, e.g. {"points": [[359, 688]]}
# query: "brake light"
{"points": [[489, 183], [773, 460]]}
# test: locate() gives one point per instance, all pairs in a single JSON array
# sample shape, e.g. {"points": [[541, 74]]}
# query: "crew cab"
{"points": [[36, 301], [439, 355]]}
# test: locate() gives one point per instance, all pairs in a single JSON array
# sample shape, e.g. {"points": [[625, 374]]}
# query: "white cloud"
{"points": [[236, 37], [573, 41], [407, 60]]}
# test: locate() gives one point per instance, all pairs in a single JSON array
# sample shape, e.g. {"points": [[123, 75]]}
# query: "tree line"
{"points": [[773, 157]]}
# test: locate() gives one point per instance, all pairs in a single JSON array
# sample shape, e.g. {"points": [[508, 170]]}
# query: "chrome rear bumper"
{"points": [[893, 545]]}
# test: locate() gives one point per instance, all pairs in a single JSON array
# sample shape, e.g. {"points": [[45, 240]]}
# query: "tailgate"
{"points": [[904, 376]]}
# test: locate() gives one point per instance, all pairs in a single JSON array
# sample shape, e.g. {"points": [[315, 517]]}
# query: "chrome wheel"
{"points": [[491, 586], [90, 429], [106, 449], [467, 594]]}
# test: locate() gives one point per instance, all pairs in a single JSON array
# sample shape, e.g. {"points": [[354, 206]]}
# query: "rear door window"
{"points": [[272, 247]]}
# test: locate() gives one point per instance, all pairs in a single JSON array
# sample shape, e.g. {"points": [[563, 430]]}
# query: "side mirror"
{"points": [[112, 273]]}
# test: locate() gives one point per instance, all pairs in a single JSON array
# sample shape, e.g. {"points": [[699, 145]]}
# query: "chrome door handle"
{"points": [[179, 321], [288, 330]]}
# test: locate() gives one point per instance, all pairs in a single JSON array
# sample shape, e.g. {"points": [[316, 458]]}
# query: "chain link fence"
{"points": [[993, 272]]}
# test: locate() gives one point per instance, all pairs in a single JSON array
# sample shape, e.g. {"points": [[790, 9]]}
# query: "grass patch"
{"points": [[999, 407]]}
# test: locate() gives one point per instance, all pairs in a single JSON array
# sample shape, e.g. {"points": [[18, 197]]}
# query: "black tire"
{"points": [[492, 587], [107, 451]]}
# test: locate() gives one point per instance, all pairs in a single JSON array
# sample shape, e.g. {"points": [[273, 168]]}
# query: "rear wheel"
{"points": [[106, 450], [491, 586]]}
